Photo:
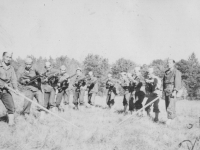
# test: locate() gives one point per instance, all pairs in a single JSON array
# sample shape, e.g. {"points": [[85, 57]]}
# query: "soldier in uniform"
{"points": [[8, 79], [125, 85], [139, 89], [63, 85], [92, 86], [132, 84], [79, 88], [30, 89], [49, 84], [154, 84], [171, 85], [111, 91]]}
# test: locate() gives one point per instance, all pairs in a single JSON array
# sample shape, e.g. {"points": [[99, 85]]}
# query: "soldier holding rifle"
{"points": [[30, 79], [7, 79], [92, 86], [63, 86], [49, 83], [153, 84]]}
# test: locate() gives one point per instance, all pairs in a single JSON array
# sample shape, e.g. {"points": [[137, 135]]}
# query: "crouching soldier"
{"points": [[153, 84], [171, 86], [79, 88], [7, 79], [63, 85], [92, 87], [49, 84], [30, 87], [111, 91]]}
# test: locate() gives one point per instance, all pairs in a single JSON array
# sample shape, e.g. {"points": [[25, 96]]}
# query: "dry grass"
{"points": [[98, 129]]}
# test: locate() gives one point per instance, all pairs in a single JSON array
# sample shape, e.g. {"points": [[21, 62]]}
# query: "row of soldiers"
{"points": [[136, 88], [52, 85]]}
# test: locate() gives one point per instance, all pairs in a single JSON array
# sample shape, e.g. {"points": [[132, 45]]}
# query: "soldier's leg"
{"points": [[81, 97], [156, 108], [112, 99], [66, 97], [171, 110], [46, 99], [148, 108], [40, 99], [27, 105], [108, 97], [131, 102], [52, 94], [93, 98], [75, 98], [59, 99], [89, 98]]}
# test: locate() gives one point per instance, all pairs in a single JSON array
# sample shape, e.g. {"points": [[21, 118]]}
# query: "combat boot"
{"points": [[148, 113]]}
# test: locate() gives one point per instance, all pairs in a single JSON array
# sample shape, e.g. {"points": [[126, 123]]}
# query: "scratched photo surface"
{"points": [[103, 36]]}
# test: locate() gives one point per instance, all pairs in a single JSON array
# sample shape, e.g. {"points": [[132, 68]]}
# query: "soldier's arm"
{"points": [[21, 79], [178, 81], [2, 83]]}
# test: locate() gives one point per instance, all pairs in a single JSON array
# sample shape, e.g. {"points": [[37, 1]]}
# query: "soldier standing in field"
{"points": [[111, 91], [171, 85], [79, 88], [8, 79], [31, 88], [92, 86], [49, 84], [125, 85], [154, 91], [63, 85], [139, 89]]}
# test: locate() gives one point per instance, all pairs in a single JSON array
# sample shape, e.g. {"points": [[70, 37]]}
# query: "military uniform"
{"points": [[79, 90], [8, 76], [111, 92], [153, 88], [171, 82], [64, 92], [49, 88], [125, 86], [92, 86], [139, 92], [31, 91]]}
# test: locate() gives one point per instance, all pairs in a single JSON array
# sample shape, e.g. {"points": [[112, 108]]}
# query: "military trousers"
{"points": [[8, 102]]}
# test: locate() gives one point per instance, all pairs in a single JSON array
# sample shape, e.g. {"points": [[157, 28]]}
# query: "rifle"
{"points": [[64, 84], [33, 79], [81, 82]]}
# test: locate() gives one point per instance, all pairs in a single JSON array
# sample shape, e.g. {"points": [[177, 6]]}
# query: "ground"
{"points": [[98, 130]]}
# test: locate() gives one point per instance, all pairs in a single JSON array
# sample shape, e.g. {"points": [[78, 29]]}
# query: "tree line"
{"points": [[100, 66]]}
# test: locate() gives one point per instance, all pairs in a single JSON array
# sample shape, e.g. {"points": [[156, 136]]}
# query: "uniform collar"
{"points": [[2, 64]]}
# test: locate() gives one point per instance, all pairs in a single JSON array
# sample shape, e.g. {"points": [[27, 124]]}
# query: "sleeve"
{"points": [[178, 80], [19, 76], [1, 82], [14, 79]]}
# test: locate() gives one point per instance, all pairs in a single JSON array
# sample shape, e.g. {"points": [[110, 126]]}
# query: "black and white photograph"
{"points": [[99, 75]]}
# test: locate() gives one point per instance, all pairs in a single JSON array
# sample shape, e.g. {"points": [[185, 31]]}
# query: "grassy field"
{"points": [[98, 129]]}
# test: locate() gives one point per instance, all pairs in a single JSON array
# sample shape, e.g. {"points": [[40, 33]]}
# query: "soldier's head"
{"points": [[7, 57], [28, 63], [90, 74], [137, 71], [109, 76], [63, 69], [170, 63], [150, 72], [78, 71], [47, 65]]}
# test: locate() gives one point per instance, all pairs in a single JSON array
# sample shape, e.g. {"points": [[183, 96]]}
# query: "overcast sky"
{"points": [[140, 30]]}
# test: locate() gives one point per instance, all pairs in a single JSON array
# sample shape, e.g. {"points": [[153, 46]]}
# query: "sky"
{"points": [[139, 30]]}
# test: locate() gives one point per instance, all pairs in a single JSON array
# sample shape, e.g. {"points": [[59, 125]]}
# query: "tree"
{"points": [[122, 65]]}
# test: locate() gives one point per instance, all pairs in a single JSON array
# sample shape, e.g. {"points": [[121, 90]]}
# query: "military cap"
{"points": [[150, 70], [8, 53], [47, 64], [109, 75], [28, 60], [90, 73], [79, 69]]}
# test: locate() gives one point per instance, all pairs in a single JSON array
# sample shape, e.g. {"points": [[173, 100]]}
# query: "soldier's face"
{"points": [[7, 58], [78, 72], [170, 64], [62, 71], [28, 65], [48, 67]]}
